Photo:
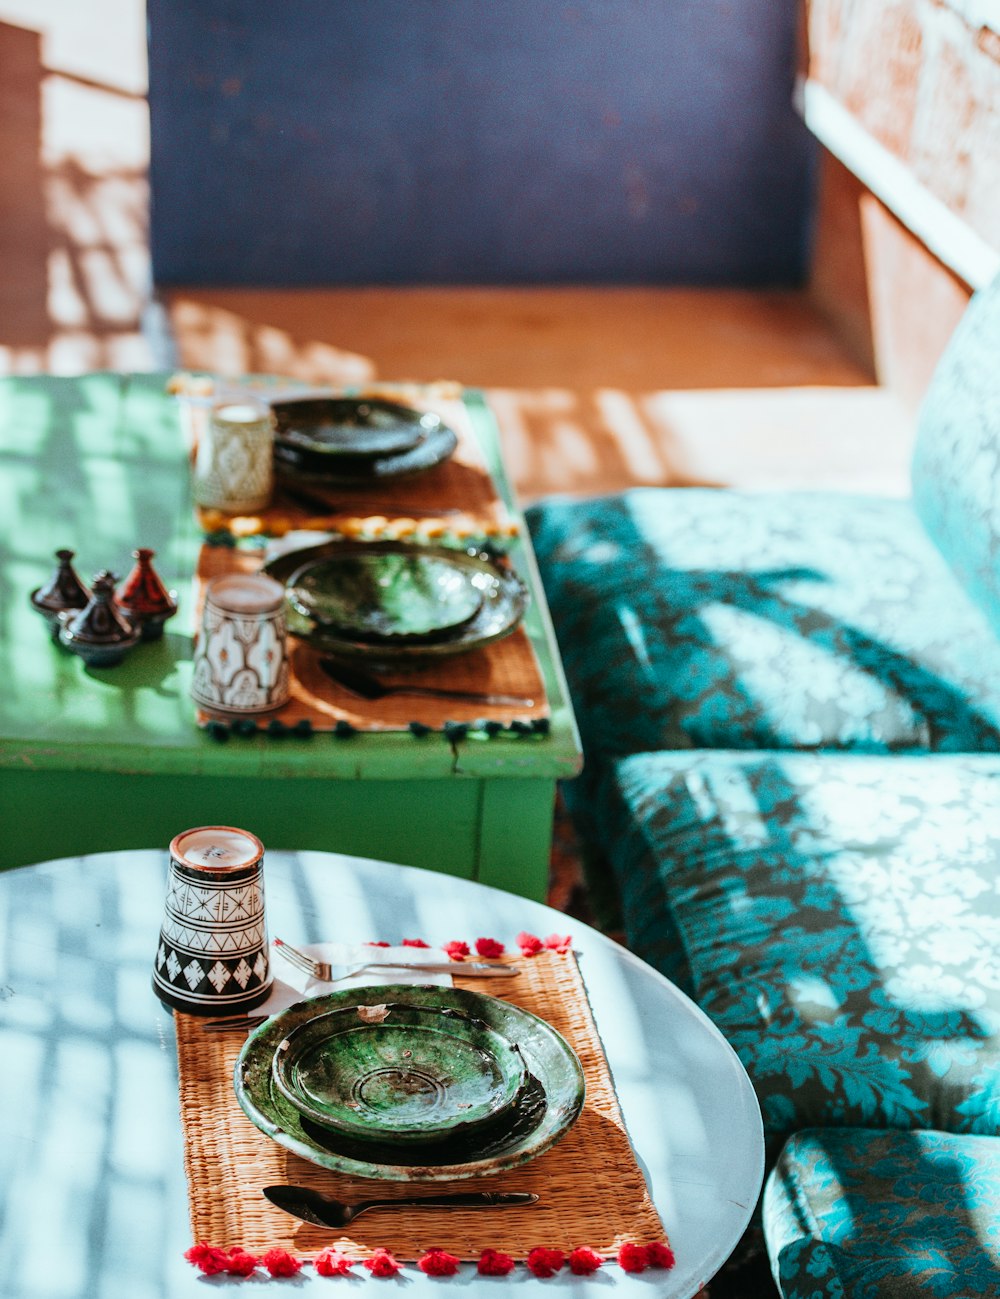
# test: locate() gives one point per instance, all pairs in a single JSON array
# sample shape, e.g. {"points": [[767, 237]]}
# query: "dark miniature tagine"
{"points": [[144, 599], [61, 593], [99, 633]]}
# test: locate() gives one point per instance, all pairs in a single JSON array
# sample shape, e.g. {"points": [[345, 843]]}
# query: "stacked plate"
{"points": [[393, 600], [350, 441], [410, 1083]]}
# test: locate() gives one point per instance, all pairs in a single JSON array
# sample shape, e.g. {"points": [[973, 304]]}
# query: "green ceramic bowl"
{"points": [[395, 596], [399, 1073], [322, 427], [503, 599], [551, 1103]]}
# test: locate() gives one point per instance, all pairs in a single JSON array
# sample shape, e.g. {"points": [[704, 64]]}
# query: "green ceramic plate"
{"points": [[324, 451], [503, 600], [413, 1074], [396, 595], [545, 1110], [363, 427]]}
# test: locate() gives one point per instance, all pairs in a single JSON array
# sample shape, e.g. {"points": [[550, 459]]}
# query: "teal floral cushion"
{"points": [[836, 915], [692, 618], [855, 1214], [956, 461]]}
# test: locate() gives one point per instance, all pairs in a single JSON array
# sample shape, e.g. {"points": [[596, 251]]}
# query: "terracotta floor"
{"points": [[595, 388]]}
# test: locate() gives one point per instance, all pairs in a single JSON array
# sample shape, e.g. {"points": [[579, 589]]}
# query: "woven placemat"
{"points": [[507, 666], [457, 497], [590, 1187]]}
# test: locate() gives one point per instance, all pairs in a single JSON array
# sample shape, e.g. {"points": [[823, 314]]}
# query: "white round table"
{"points": [[93, 1199]]}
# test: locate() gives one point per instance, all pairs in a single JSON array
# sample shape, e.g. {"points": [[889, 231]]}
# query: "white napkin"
{"points": [[291, 985]]}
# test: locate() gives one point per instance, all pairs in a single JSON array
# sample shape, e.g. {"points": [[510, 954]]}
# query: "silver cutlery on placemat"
{"points": [[365, 686], [309, 1205], [325, 972]]}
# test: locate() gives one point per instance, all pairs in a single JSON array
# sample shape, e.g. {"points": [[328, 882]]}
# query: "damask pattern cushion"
{"points": [[836, 915], [692, 618], [956, 461], [856, 1214]]}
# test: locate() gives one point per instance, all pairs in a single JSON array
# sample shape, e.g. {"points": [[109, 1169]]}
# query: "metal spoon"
{"points": [[359, 683], [309, 1205]]}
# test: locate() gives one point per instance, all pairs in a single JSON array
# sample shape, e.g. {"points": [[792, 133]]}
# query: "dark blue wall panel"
{"points": [[475, 141]]}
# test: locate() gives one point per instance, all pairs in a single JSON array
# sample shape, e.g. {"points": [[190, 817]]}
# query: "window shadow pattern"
{"points": [[690, 618], [885, 1213], [835, 916]]}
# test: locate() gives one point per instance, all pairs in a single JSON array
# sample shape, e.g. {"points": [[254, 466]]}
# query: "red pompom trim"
{"points": [[489, 947], [240, 1263], [207, 1258], [583, 1261], [633, 1258], [528, 943], [559, 942], [493, 1263], [331, 1262], [659, 1255], [545, 1262], [456, 950], [438, 1262], [414, 942], [382, 1263], [280, 1263]]}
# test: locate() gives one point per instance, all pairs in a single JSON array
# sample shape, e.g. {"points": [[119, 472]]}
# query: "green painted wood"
{"points": [[516, 835], [430, 823], [99, 464]]}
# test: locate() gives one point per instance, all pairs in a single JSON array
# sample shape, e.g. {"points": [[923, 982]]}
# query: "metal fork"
{"points": [[323, 970]]}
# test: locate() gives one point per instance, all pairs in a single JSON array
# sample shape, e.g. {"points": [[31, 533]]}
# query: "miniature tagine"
{"points": [[99, 633], [63, 592], [144, 599]]}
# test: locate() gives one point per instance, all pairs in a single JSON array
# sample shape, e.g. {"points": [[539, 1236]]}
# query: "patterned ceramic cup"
{"points": [[212, 956], [241, 656], [234, 465]]}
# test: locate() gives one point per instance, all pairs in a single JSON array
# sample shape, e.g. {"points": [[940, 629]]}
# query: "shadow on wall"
{"points": [[73, 218]]}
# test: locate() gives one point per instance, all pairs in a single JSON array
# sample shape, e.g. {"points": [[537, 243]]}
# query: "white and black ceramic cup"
{"points": [[241, 655], [212, 957]]}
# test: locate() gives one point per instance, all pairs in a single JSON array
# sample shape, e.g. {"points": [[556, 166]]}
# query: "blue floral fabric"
{"points": [[885, 1215], [956, 461], [836, 915], [695, 618]]}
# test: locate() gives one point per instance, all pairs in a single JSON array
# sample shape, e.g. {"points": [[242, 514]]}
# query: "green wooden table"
{"points": [[108, 759]]}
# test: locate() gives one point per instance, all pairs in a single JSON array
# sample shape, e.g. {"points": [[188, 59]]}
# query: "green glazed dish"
{"points": [[503, 599], [350, 426], [410, 1074], [393, 595], [350, 442], [547, 1107]]}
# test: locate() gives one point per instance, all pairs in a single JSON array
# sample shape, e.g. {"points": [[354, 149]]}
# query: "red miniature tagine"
{"points": [[144, 599]]}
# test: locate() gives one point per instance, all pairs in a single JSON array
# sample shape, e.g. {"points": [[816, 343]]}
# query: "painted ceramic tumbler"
{"points": [[212, 957], [241, 657], [233, 468]]}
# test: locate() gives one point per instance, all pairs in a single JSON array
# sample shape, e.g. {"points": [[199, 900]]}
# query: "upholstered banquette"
{"points": [[790, 713]]}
